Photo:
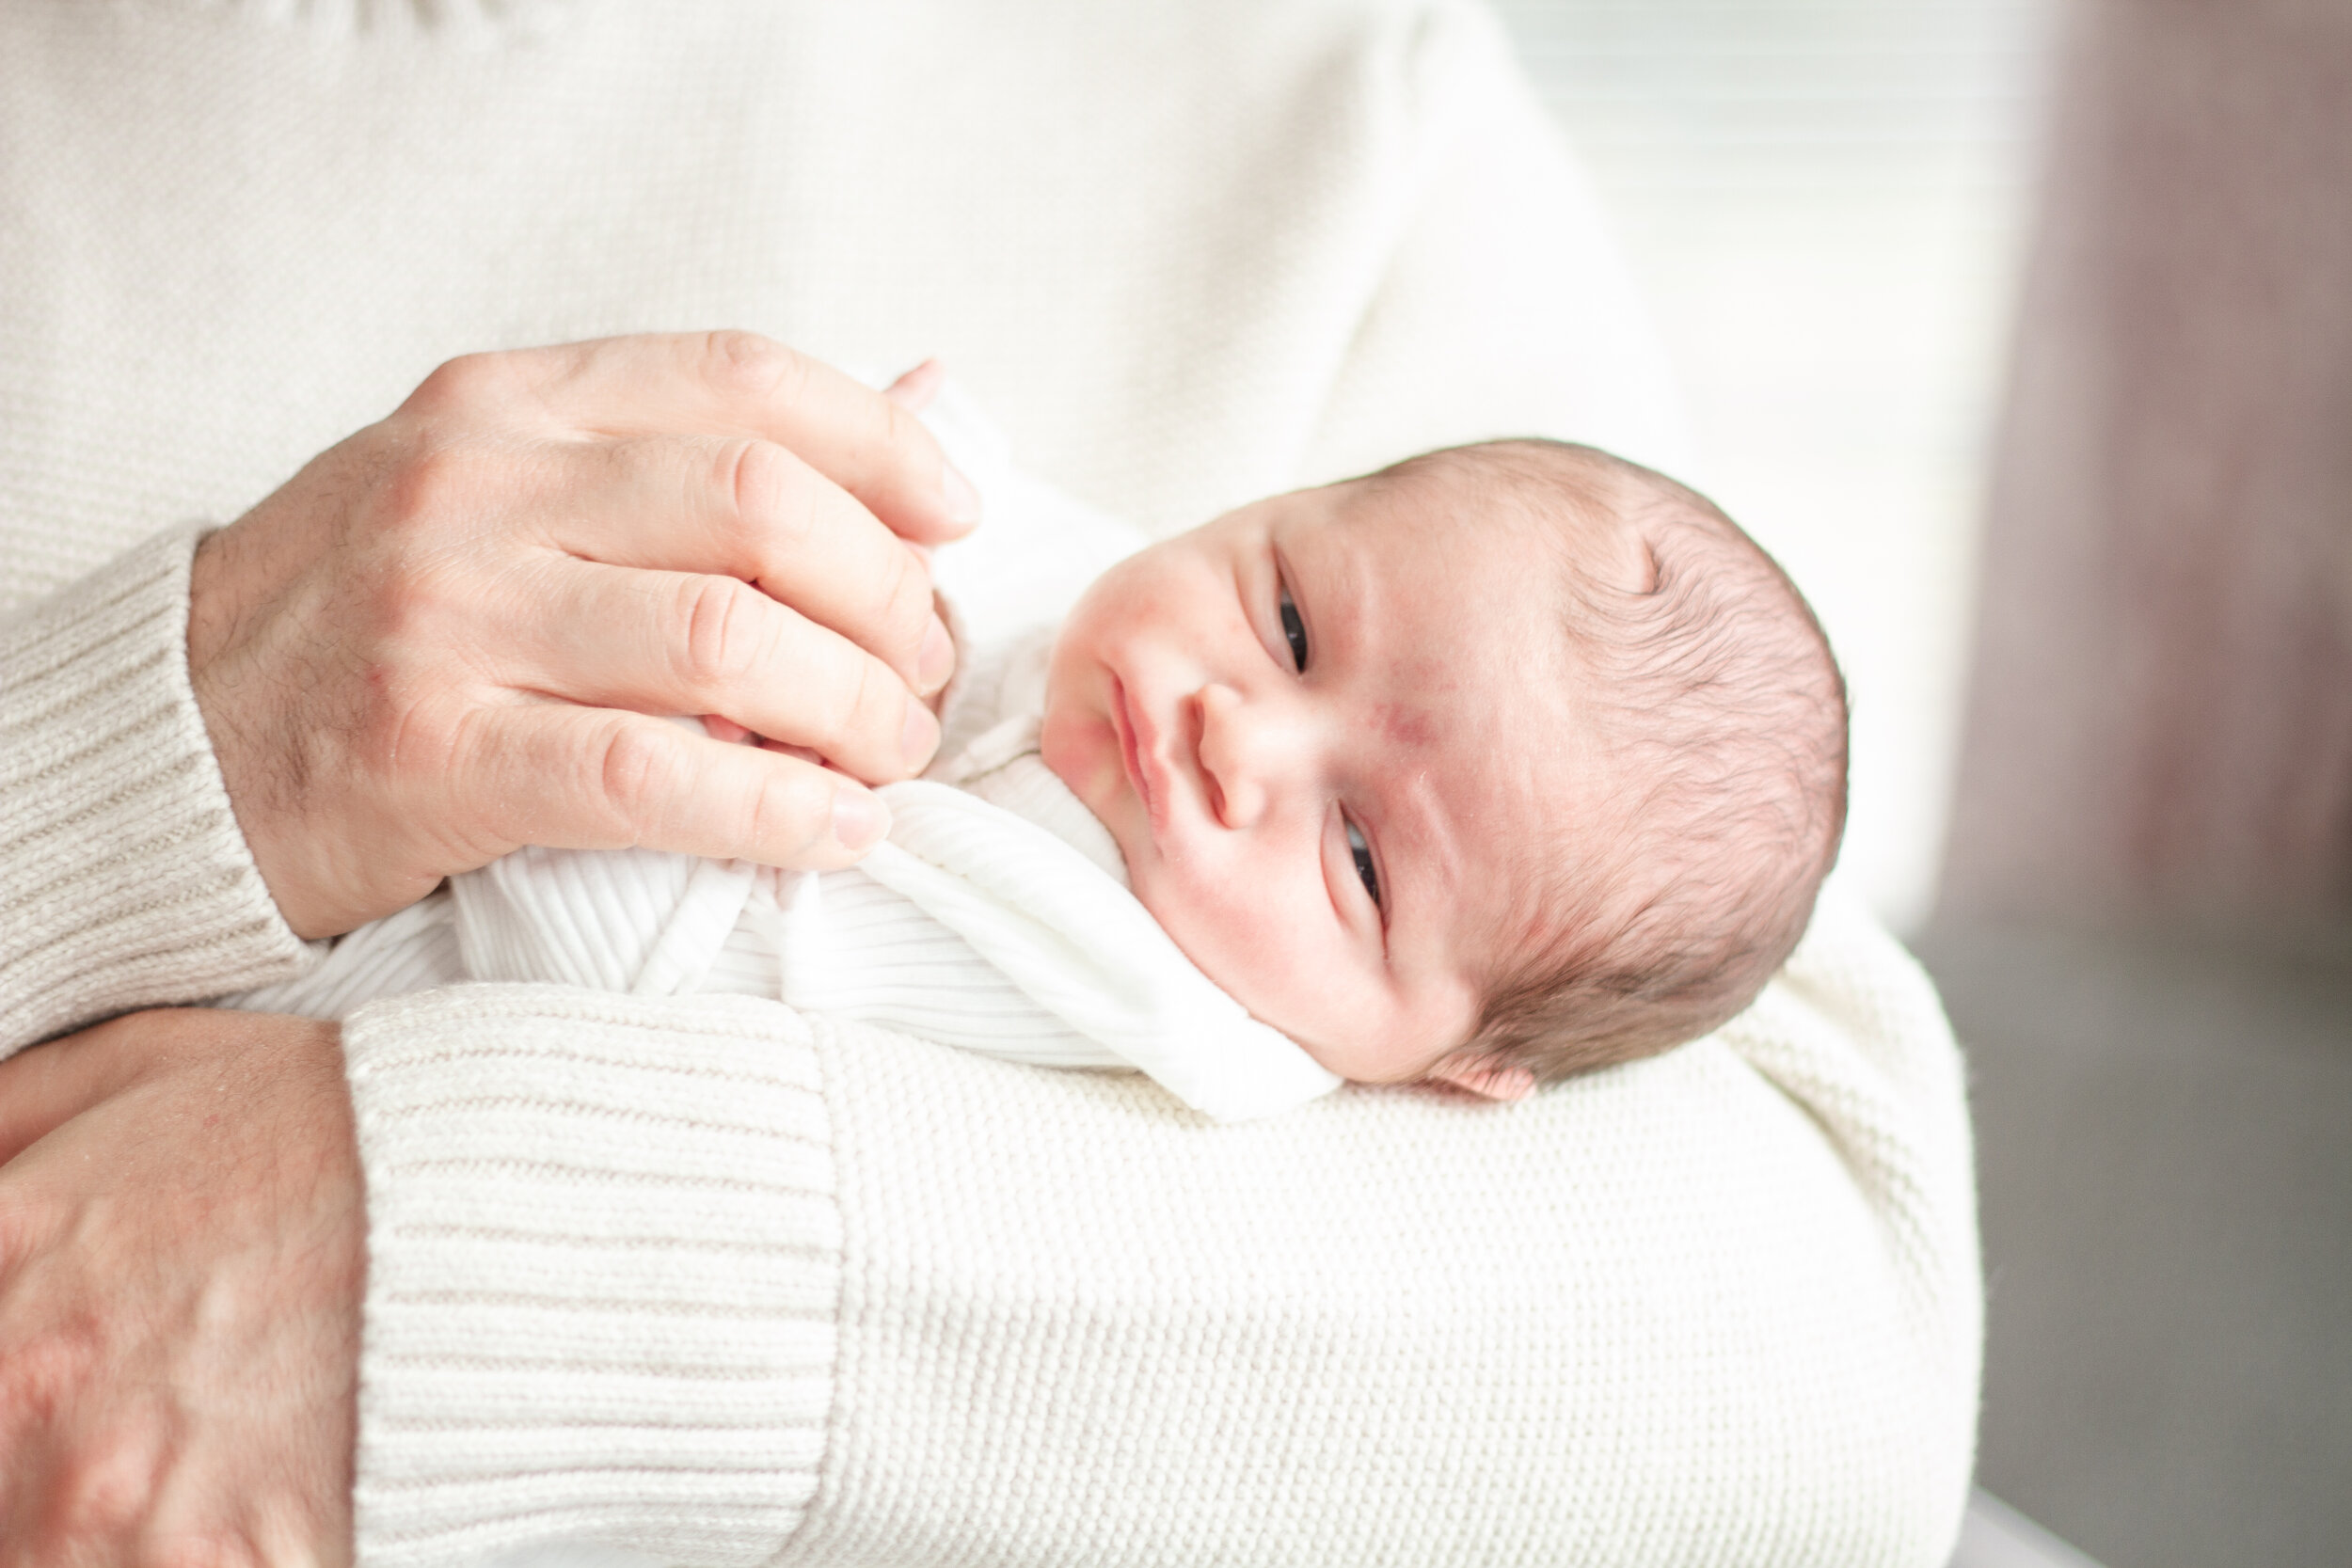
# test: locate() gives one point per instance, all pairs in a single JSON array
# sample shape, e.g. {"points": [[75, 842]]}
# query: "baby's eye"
{"points": [[1362, 851], [1296, 630]]}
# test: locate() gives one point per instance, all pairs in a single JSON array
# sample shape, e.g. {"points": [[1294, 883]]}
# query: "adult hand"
{"points": [[182, 1263], [445, 637]]}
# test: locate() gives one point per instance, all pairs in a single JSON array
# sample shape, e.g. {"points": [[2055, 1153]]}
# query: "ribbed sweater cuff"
{"points": [[127, 882], [604, 1263]]}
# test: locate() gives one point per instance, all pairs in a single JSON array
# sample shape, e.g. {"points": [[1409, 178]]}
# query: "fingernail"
{"points": [[921, 736], [858, 819], [963, 501], [937, 660]]}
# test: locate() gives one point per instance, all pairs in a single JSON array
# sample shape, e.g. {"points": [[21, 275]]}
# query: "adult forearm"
{"points": [[1643, 1318], [643, 1271]]}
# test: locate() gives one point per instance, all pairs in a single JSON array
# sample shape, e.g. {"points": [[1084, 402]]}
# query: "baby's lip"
{"points": [[1144, 772]]}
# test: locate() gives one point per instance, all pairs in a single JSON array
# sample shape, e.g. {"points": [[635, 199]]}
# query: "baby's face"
{"points": [[1327, 731]]}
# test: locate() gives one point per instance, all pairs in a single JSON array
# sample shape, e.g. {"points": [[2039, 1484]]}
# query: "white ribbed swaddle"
{"points": [[995, 918]]}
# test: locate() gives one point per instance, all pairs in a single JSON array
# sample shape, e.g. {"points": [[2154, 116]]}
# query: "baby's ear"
{"points": [[1485, 1076]]}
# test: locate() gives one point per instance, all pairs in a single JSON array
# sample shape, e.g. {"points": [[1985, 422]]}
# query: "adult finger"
{"points": [[750, 509], [44, 1086], [596, 778], [914, 388], [740, 383], [677, 642]]}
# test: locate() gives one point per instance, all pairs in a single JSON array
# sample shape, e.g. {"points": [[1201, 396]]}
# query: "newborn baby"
{"points": [[1504, 763]]}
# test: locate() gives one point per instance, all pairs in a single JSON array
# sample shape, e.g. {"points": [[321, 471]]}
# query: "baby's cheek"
{"points": [[1250, 945], [1077, 750]]}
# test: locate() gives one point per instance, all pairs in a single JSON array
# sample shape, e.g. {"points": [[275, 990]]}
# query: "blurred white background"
{"points": [[1825, 201]]}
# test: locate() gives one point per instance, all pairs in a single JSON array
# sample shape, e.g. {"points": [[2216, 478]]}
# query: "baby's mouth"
{"points": [[1130, 748]]}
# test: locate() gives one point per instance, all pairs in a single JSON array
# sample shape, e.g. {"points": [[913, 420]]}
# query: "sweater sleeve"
{"points": [[603, 1271], [128, 881], [709, 1281], [1724, 1301]]}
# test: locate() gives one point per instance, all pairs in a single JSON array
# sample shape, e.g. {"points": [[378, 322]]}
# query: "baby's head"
{"points": [[1503, 763]]}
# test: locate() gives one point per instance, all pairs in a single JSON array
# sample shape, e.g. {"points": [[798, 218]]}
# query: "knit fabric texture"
{"points": [[127, 882], [702, 1280]]}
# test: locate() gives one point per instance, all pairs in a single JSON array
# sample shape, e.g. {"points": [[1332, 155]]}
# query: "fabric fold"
{"points": [[1083, 948]]}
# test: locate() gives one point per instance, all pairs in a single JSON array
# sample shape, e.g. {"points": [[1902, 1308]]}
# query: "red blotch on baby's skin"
{"points": [[1410, 728]]}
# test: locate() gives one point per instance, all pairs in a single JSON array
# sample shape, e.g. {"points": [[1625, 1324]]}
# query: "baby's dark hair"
{"points": [[1721, 717]]}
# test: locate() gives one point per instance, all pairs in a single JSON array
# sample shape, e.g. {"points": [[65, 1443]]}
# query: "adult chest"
{"points": [[225, 244]]}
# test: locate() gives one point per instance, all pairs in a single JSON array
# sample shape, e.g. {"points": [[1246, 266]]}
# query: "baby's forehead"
{"points": [[1507, 832], [1544, 524], [1471, 620], [1498, 757]]}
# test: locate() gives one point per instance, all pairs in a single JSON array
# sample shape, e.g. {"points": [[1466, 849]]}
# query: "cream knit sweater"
{"points": [[699, 1278]]}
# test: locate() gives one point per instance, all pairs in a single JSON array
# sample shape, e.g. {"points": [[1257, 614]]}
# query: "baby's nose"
{"points": [[1247, 749]]}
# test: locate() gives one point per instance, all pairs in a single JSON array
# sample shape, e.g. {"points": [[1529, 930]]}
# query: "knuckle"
{"points": [[749, 363], [454, 384], [630, 767], [434, 479], [406, 745], [757, 478], [409, 602], [109, 1486], [467, 773], [45, 1371], [84, 1447], [721, 643]]}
